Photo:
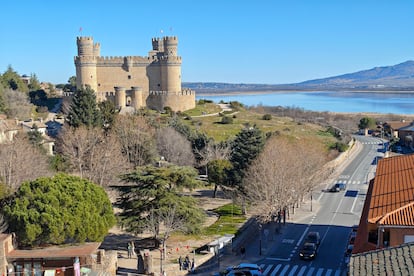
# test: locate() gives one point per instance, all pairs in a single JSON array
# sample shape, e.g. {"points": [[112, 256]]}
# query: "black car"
{"points": [[308, 251], [313, 237], [337, 187]]}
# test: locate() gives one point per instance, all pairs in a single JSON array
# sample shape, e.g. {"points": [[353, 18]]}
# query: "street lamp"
{"points": [[260, 239], [311, 200]]}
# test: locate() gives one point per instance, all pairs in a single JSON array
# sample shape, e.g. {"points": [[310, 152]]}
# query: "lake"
{"points": [[333, 101]]}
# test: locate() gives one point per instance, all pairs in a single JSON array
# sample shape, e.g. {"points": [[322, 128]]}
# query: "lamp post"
{"points": [[260, 239], [311, 200]]}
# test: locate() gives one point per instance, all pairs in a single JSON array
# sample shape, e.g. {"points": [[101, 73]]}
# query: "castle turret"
{"points": [[85, 63], [170, 66], [120, 96], [137, 101]]}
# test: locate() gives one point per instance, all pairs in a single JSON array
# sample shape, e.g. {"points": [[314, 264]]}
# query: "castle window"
{"points": [[129, 77], [99, 84], [91, 77]]}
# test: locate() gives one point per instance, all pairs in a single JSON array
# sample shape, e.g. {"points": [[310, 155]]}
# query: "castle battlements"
{"points": [[183, 92], [154, 80]]}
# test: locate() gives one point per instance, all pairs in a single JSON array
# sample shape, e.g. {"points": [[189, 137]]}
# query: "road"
{"points": [[338, 212]]}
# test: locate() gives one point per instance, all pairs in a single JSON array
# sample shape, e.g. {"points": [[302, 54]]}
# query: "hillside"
{"points": [[387, 78]]}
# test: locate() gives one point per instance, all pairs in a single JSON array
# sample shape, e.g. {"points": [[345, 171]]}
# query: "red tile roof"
{"points": [[56, 251], [393, 191], [397, 124]]}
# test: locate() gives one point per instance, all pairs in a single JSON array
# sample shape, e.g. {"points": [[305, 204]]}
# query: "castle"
{"points": [[134, 81]]}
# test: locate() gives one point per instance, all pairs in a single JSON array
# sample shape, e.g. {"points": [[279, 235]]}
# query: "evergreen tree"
{"points": [[108, 112], [153, 188], [84, 110], [34, 83], [35, 136], [58, 210], [2, 103], [10, 79], [247, 145]]}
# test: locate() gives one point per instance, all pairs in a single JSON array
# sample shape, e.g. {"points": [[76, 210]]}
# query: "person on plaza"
{"points": [[180, 263], [129, 250], [188, 263], [192, 265]]}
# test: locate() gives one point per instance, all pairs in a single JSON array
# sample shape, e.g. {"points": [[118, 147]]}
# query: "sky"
{"points": [[231, 41]]}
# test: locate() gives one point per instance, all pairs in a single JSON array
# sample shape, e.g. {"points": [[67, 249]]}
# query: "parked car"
{"points": [[313, 237], [308, 251], [337, 187]]}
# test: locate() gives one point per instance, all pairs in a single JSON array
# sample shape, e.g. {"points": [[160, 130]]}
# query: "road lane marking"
{"points": [[302, 270], [278, 259], [319, 273], [310, 271], [276, 270], [267, 269], [284, 270], [292, 272]]}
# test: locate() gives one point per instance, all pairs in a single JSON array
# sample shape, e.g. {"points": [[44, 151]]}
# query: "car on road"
{"points": [[313, 237], [337, 187], [248, 269], [308, 251]]}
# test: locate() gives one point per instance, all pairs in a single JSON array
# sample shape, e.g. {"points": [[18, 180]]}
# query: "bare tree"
{"points": [[20, 161], [213, 151], [137, 139], [282, 174], [92, 154], [174, 147], [161, 223], [17, 104]]}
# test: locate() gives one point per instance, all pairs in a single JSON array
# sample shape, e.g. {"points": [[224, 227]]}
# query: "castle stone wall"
{"points": [[181, 101], [109, 77]]}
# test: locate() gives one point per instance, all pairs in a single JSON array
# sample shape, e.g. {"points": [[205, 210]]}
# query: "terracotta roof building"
{"points": [[388, 215], [393, 126], [389, 261]]}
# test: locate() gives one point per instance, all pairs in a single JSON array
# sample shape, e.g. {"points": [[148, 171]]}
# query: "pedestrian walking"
{"points": [[192, 266]]}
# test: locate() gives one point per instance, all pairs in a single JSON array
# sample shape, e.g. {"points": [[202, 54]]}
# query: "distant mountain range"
{"points": [[398, 77]]}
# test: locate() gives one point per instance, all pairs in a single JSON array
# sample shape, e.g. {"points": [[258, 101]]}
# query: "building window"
{"points": [[129, 77], [99, 84]]}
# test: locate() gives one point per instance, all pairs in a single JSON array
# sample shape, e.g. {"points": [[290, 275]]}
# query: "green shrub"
{"points": [[341, 147], [267, 117], [227, 120]]}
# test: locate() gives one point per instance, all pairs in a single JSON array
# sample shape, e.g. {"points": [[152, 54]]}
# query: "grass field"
{"points": [[212, 126]]}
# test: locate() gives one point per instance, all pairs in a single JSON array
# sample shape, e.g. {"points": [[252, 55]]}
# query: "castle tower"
{"points": [[170, 65], [137, 101], [85, 63], [120, 97]]}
